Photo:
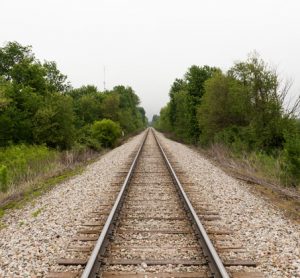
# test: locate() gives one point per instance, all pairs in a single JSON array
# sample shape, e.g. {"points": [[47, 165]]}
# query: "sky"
{"points": [[147, 44]]}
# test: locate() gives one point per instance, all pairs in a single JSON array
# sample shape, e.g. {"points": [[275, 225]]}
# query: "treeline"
{"points": [[243, 109], [39, 107]]}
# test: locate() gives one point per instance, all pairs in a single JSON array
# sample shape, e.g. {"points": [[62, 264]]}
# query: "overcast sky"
{"points": [[147, 44]]}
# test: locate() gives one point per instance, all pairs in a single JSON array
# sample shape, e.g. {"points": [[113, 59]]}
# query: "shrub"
{"points": [[291, 160], [85, 138], [106, 132]]}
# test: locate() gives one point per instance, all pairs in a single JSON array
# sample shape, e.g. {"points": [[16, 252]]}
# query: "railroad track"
{"points": [[152, 229]]}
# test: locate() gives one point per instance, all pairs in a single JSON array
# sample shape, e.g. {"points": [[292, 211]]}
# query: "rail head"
{"points": [[93, 262], [215, 263]]}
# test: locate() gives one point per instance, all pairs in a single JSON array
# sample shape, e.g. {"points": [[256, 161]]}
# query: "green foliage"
{"points": [[185, 96], [162, 122], [110, 106], [56, 81], [243, 109], [3, 178], [265, 105], [39, 106], [85, 138], [37, 212], [29, 93], [225, 106], [22, 162], [291, 159], [10, 55], [53, 122], [106, 132]]}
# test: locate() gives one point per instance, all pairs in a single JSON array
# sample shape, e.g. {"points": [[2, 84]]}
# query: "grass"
{"points": [[21, 163], [35, 190], [37, 212], [30, 187], [263, 172], [289, 205]]}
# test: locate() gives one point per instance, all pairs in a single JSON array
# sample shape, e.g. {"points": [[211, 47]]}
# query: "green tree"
{"points": [[110, 106], [266, 101], [225, 104], [56, 81], [106, 132], [162, 122], [53, 122], [190, 90], [12, 54]]}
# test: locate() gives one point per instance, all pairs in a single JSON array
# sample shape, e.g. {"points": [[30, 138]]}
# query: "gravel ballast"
{"points": [[34, 237], [270, 239]]}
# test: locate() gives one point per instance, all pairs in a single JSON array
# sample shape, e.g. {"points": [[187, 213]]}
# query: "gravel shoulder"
{"points": [[34, 237], [270, 238]]}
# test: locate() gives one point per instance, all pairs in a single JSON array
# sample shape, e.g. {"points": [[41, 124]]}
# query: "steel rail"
{"points": [[216, 266], [94, 261]]}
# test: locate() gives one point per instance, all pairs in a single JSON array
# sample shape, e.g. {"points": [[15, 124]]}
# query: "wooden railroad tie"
{"points": [[114, 274], [251, 274], [78, 261], [158, 231], [72, 261], [67, 274], [85, 238], [154, 262]]}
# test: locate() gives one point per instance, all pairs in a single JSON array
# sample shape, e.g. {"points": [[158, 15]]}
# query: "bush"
{"points": [[85, 138], [291, 160], [106, 132]]}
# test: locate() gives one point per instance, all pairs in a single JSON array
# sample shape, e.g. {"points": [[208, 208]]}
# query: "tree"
{"points": [[54, 122], [266, 101], [162, 122], [56, 81], [191, 89], [106, 132], [12, 54], [110, 106], [225, 105]]}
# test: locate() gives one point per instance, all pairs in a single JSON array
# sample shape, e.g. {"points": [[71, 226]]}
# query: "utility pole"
{"points": [[104, 78]]}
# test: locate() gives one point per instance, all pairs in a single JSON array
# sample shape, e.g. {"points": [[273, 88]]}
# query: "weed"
{"points": [[2, 225], [37, 212]]}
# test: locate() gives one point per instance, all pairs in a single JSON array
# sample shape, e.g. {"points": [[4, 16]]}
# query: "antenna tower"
{"points": [[104, 79]]}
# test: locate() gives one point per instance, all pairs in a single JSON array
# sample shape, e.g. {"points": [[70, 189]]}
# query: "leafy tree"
{"points": [[191, 89], [291, 153], [106, 132], [183, 116], [39, 106], [56, 81], [155, 120], [266, 101], [162, 122], [53, 122], [110, 106], [87, 102], [12, 54], [142, 113], [225, 104]]}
